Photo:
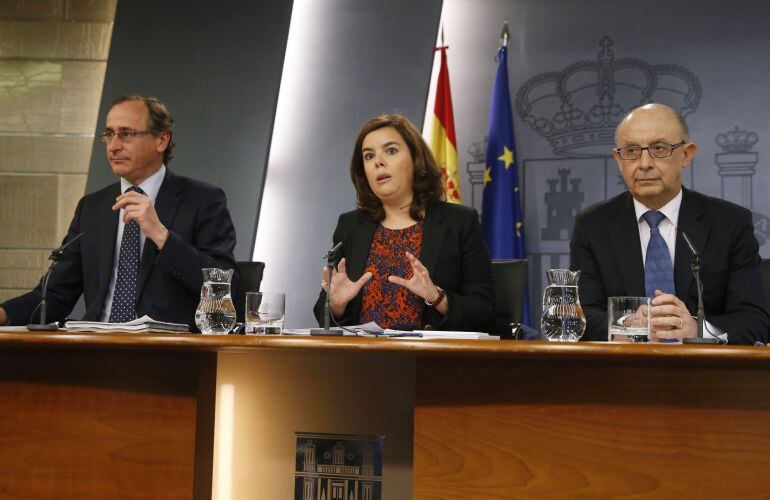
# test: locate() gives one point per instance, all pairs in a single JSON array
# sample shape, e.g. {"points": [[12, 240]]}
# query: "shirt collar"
{"points": [[150, 186], [670, 209]]}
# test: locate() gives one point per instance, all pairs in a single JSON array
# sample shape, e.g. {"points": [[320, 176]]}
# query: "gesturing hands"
{"points": [[420, 283], [343, 289], [138, 207]]}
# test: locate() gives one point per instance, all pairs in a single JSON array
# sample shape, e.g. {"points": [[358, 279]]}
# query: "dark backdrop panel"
{"points": [[217, 65]]}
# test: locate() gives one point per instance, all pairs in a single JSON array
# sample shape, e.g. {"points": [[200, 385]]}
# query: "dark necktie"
{"points": [[658, 271], [124, 298]]}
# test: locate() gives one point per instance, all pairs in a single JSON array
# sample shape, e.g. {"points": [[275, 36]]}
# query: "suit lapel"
{"points": [[107, 226], [107, 222], [627, 247], [165, 206], [358, 254], [433, 233], [689, 222]]}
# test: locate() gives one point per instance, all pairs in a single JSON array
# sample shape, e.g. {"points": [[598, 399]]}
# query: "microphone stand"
{"points": [[700, 315], [325, 331], [54, 258]]}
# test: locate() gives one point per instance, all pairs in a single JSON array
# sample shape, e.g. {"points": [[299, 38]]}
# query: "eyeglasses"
{"points": [[657, 150], [126, 135]]}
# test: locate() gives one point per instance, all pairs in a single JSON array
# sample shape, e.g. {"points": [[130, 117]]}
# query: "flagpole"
{"points": [[502, 218]]}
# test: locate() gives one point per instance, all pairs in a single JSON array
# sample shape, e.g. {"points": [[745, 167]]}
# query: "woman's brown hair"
{"points": [[427, 183]]}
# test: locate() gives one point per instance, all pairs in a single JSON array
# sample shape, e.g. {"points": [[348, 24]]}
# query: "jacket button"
{"points": [[428, 327]]}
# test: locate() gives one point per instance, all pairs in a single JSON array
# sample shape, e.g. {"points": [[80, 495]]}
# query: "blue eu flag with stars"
{"points": [[501, 218]]}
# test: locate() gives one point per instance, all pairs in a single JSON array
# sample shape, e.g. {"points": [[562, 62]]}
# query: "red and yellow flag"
{"points": [[443, 141]]}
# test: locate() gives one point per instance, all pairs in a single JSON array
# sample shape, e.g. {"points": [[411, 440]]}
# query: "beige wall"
{"points": [[53, 55]]}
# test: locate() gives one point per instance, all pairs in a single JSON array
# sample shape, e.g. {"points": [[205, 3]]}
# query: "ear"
{"points": [[689, 150], [618, 160], [164, 140]]}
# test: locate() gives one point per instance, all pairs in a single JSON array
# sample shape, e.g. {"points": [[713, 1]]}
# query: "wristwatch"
{"points": [[441, 295]]}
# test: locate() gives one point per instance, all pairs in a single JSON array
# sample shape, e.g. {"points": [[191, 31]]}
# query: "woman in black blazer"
{"points": [[409, 259]]}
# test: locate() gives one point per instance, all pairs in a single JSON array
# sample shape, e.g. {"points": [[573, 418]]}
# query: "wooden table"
{"points": [[146, 416]]}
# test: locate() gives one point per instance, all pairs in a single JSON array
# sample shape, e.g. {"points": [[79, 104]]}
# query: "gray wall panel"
{"points": [[218, 68], [357, 59]]}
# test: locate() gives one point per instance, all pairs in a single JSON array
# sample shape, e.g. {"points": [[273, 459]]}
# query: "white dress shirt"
{"points": [[150, 186], [667, 228]]}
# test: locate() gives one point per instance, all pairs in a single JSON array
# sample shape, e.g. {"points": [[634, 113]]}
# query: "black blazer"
{"points": [[606, 247], [453, 251], [201, 234]]}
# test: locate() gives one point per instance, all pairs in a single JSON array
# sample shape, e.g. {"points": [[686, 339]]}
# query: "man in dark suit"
{"points": [[632, 244], [144, 239]]}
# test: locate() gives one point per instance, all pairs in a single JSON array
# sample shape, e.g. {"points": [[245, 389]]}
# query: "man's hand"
{"points": [[670, 318], [3, 317], [138, 207], [638, 319]]}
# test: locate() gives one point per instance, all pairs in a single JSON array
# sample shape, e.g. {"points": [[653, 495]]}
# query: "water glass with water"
{"points": [[563, 319], [265, 312], [628, 319]]}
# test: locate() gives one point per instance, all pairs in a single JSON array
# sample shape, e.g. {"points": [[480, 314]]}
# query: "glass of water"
{"points": [[265, 312], [628, 319]]}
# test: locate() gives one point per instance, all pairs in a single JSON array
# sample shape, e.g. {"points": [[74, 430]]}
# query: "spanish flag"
{"points": [[443, 141]]}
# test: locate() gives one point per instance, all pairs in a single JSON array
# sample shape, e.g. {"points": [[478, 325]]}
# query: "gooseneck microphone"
{"points": [[54, 258], [701, 315], [330, 258]]}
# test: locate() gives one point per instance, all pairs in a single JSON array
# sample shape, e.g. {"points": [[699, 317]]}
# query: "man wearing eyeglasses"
{"points": [[632, 244], [144, 238]]}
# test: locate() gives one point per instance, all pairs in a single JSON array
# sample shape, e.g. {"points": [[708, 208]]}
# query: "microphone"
{"points": [[690, 244], [54, 258], [701, 315], [330, 257], [333, 252]]}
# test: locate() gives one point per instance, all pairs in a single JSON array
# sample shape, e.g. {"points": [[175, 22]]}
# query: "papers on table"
{"points": [[440, 334], [16, 329], [144, 324], [374, 330]]}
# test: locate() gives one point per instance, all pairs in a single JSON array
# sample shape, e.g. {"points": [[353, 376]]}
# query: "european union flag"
{"points": [[501, 218]]}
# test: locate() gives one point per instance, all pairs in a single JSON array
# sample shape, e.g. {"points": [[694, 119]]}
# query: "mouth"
{"points": [[383, 178]]}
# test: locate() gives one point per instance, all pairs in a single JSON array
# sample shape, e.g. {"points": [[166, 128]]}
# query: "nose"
{"points": [[646, 160], [114, 143], [379, 161]]}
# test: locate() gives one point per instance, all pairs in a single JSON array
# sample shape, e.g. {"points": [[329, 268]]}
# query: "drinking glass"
{"points": [[265, 312], [628, 319]]}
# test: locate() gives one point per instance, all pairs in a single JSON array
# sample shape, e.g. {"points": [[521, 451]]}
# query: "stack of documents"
{"points": [[144, 324], [439, 334], [374, 330]]}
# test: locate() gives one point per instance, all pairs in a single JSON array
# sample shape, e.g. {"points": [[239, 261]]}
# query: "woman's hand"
{"points": [[420, 283], [343, 289]]}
